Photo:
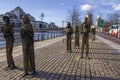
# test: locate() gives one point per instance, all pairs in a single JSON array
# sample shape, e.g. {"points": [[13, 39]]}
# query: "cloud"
{"points": [[86, 7], [116, 7], [61, 4]]}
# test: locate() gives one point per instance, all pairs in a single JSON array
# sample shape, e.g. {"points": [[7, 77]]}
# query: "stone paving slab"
{"points": [[17, 50], [54, 63]]}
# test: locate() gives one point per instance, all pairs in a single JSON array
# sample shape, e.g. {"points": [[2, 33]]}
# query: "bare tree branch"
{"points": [[114, 18], [74, 16]]}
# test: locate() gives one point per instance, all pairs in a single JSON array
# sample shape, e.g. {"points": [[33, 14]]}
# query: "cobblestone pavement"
{"points": [[54, 63]]}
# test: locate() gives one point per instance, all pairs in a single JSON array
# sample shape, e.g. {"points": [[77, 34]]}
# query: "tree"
{"points": [[114, 18], [90, 16], [106, 25], [74, 16]]}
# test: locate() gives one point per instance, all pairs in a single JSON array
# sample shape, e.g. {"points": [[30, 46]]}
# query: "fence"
{"points": [[38, 36]]}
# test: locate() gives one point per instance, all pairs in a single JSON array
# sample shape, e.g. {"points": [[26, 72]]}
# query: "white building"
{"points": [[53, 26], [38, 25], [16, 18]]}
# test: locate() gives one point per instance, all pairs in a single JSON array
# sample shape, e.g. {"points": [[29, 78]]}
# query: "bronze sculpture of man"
{"points": [[85, 30], [76, 32], [8, 33], [27, 35], [93, 32], [69, 32]]}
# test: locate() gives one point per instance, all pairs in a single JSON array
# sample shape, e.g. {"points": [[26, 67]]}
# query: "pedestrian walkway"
{"points": [[17, 50], [54, 63]]}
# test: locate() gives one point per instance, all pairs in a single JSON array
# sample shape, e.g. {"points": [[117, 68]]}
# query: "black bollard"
{"points": [[54, 35], [47, 36], [38, 38], [51, 35]]}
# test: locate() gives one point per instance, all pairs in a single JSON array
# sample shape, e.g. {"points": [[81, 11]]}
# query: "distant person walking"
{"points": [[76, 32], [85, 30], [69, 32], [27, 35], [7, 30]]}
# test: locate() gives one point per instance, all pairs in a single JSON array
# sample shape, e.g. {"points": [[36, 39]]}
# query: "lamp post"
{"points": [[42, 35], [41, 16], [63, 23], [62, 27]]}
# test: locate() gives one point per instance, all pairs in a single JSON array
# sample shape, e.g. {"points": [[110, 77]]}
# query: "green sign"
{"points": [[100, 23]]}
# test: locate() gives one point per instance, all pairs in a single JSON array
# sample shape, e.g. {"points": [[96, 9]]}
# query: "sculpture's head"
{"points": [[25, 19], [68, 24], [6, 19], [86, 19]]}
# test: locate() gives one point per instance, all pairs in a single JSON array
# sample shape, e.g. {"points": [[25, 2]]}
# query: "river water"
{"points": [[38, 36]]}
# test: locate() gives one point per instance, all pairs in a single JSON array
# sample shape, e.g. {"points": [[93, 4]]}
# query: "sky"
{"points": [[58, 10]]}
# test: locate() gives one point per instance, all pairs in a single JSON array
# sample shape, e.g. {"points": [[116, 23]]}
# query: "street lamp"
{"points": [[62, 27], [41, 16], [63, 23]]}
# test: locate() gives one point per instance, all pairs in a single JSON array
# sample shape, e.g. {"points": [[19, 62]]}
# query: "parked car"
{"points": [[119, 32], [114, 31]]}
